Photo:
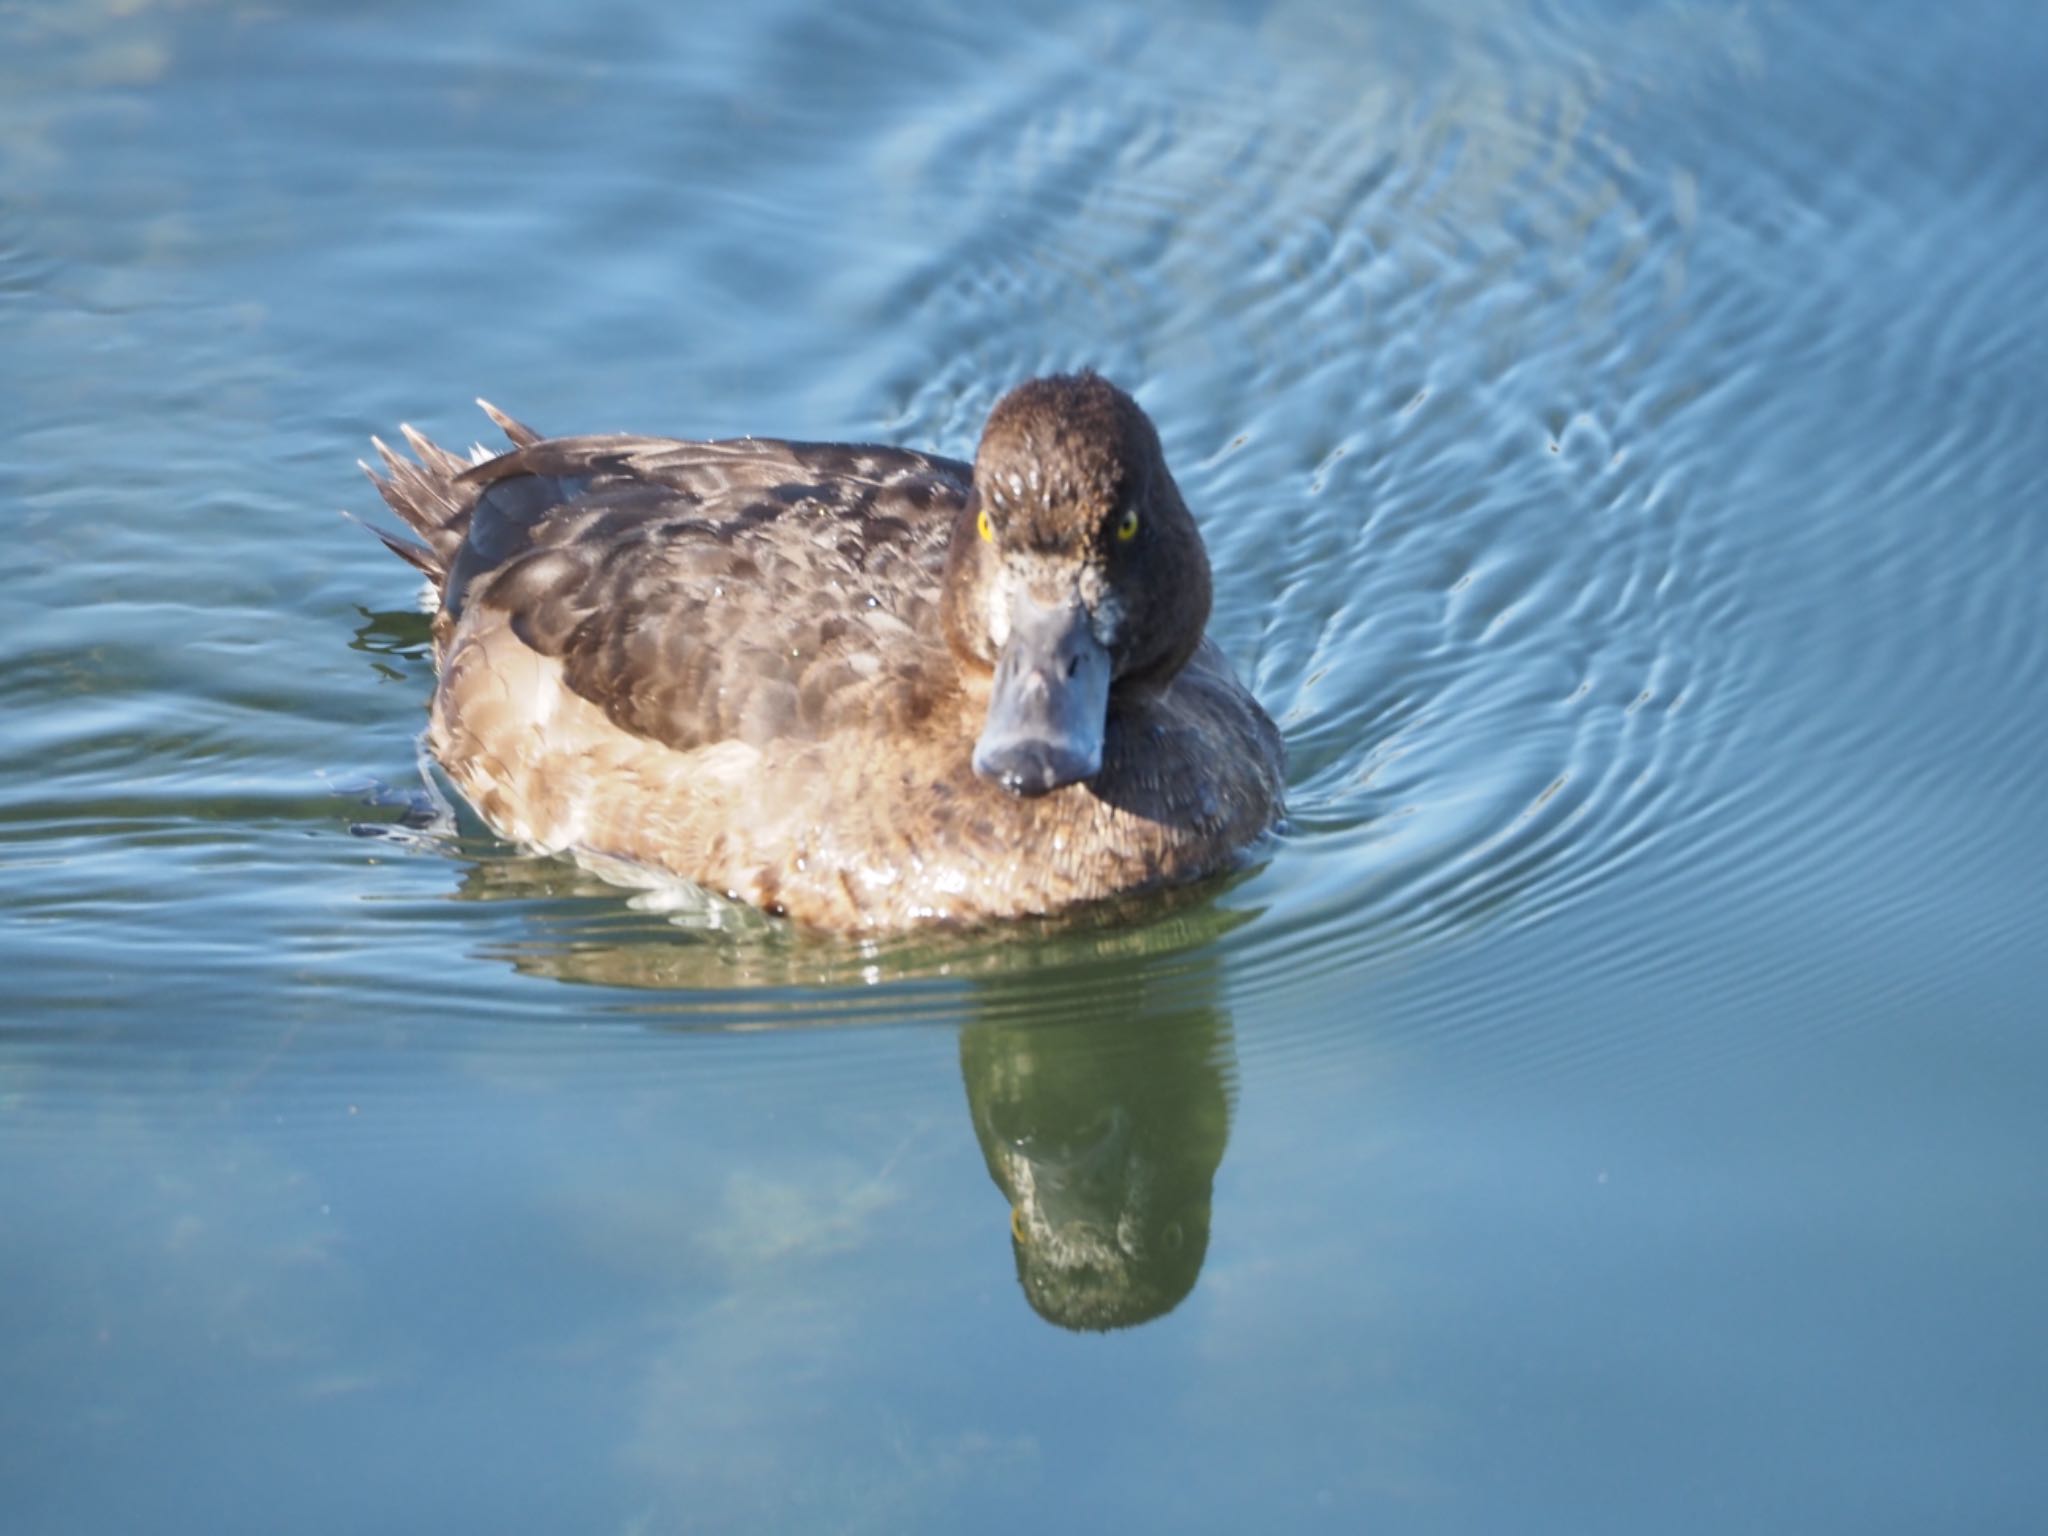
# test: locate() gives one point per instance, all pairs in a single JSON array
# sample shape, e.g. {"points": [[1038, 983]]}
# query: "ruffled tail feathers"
{"points": [[427, 494]]}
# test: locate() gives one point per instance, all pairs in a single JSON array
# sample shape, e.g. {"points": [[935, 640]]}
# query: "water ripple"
{"points": [[1616, 495]]}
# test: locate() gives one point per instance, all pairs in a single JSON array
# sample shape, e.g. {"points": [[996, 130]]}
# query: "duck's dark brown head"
{"points": [[1075, 570]]}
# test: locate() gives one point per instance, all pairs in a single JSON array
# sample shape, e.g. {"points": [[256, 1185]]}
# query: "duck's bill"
{"points": [[1050, 704]]}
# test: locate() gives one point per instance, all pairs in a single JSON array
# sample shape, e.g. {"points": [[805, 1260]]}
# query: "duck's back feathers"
{"points": [[698, 592]]}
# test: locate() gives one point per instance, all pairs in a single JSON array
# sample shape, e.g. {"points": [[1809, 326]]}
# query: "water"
{"points": [[1615, 1105]]}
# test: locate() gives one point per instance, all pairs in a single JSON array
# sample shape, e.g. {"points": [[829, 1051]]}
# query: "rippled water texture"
{"points": [[1615, 1103]]}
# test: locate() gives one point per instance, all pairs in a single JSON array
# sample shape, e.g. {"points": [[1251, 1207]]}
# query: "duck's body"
{"points": [[769, 667]]}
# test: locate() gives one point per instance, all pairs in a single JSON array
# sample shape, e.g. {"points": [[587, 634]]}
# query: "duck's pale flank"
{"points": [[865, 687]]}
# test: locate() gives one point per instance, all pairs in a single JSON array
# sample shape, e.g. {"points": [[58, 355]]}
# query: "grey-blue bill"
{"points": [[1047, 712]]}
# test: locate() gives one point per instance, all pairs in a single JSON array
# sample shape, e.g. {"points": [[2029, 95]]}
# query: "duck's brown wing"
{"points": [[747, 590]]}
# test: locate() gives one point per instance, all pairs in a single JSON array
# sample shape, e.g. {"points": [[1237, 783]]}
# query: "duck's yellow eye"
{"points": [[1127, 526], [988, 531]]}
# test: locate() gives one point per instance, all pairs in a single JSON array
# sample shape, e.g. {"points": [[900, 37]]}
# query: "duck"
{"points": [[864, 688]]}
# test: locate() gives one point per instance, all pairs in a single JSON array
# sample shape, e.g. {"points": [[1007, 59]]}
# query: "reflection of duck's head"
{"points": [[1095, 1246], [1106, 1142]]}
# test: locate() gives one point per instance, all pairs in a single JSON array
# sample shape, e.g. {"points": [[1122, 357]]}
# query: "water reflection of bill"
{"points": [[1105, 1136]]}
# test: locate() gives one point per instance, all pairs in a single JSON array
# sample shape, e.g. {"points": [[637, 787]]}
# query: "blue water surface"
{"points": [[1615, 1104]]}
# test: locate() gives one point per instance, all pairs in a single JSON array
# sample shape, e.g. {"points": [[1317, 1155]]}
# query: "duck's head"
{"points": [[1075, 570]]}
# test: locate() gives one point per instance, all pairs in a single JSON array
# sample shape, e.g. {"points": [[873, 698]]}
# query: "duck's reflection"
{"points": [[1097, 1057], [1104, 1135]]}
